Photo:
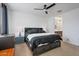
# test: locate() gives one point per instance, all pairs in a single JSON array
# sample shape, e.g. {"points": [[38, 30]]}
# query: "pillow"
{"points": [[36, 30], [33, 31], [41, 31]]}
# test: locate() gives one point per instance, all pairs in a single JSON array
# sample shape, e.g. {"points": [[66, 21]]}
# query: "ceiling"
{"points": [[29, 8]]}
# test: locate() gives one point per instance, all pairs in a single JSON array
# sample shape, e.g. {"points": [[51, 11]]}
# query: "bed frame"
{"points": [[41, 49]]}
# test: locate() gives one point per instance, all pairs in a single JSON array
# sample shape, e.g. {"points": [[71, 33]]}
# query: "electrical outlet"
{"points": [[67, 39]]}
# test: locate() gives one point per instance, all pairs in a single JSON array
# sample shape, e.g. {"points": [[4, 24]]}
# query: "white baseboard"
{"points": [[73, 43]]}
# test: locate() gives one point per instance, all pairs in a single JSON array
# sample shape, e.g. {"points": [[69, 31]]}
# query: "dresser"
{"points": [[19, 39]]}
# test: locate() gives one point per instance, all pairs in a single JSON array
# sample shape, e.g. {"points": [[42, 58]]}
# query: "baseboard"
{"points": [[73, 43]]}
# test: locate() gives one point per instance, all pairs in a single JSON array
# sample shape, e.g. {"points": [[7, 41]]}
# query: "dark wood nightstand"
{"points": [[59, 33]]}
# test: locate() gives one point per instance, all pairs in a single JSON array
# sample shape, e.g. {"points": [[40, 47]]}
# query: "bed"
{"points": [[39, 41]]}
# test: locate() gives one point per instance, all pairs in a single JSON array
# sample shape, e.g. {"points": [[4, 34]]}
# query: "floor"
{"points": [[66, 49]]}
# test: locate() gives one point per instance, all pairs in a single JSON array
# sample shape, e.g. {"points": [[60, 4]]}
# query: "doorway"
{"points": [[58, 25]]}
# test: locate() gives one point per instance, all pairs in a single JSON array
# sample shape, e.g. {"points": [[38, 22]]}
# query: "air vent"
{"points": [[59, 11]]}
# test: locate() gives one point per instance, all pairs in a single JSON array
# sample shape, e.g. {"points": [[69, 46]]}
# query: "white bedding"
{"points": [[30, 36]]}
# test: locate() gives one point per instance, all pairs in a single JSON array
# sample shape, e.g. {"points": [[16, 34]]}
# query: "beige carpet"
{"points": [[66, 49]]}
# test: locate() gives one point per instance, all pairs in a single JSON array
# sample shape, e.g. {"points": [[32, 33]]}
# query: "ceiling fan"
{"points": [[45, 8]]}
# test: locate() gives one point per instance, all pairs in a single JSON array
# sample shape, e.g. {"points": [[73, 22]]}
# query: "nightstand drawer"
{"points": [[19, 40]]}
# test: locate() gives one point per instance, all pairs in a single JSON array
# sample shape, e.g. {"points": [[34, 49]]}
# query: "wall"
{"points": [[9, 21], [71, 26], [50, 24], [19, 20]]}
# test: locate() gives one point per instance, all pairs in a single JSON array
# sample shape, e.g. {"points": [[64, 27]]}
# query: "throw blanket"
{"points": [[30, 36], [41, 38]]}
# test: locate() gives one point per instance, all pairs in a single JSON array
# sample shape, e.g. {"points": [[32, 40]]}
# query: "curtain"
{"points": [[4, 19], [0, 18]]}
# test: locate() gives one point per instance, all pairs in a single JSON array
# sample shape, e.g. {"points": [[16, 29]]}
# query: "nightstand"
{"points": [[59, 33], [19, 40]]}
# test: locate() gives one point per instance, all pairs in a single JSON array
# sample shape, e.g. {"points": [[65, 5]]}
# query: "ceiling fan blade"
{"points": [[50, 6], [46, 12], [37, 9]]}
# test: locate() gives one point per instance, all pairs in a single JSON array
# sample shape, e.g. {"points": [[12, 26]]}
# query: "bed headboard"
{"points": [[32, 30], [26, 29]]}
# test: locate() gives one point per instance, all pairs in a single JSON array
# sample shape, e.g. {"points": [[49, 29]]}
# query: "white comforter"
{"points": [[30, 36]]}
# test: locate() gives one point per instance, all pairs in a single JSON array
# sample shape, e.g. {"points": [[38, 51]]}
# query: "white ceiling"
{"points": [[29, 8]]}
